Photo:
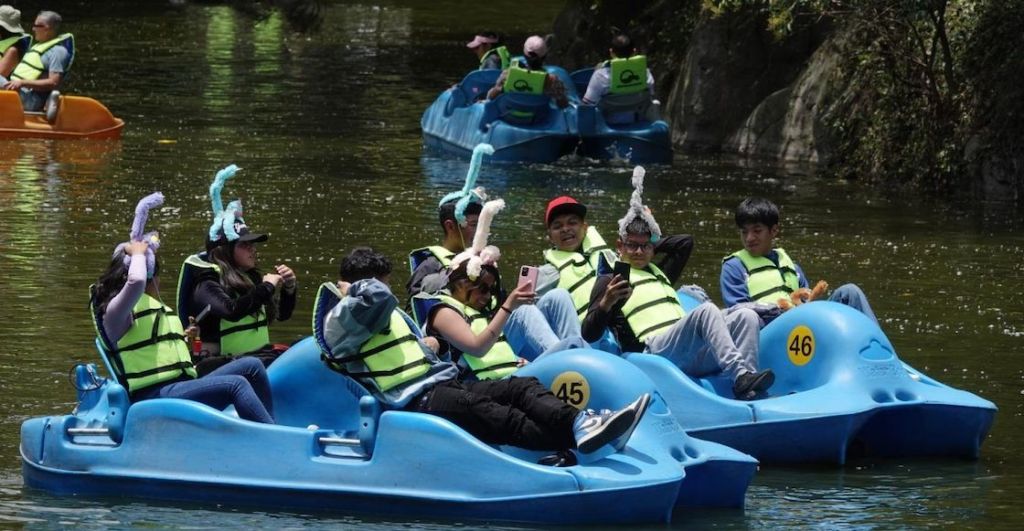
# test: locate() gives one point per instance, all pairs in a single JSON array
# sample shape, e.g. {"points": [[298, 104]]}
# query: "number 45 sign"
{"points": [[572, 388], [800, 345]]}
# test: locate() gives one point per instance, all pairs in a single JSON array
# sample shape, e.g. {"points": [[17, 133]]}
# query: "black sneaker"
{"points": [[748, 384]]}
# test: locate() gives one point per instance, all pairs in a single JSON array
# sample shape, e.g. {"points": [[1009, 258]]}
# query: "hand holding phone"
{"points": [[622, 270], [527, 275]]}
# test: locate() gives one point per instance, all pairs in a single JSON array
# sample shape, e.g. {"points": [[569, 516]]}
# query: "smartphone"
{"points": [[527, 274], [622, 270], [202, 315]]}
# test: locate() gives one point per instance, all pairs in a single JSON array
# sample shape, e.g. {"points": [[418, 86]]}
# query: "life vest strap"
{"points": [[570, 263], [781, 289], [389, 372], [582, 281], [151, 341], [181, 365], [359, 356], [649, 304], [496, 366], [656, 327], [244, 327]]}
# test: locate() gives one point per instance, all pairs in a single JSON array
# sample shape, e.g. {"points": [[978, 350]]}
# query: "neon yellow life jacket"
{"points": [[767, 282], [153, 350], [628, 75], [577, 271], [498, 362], [11, 41], [502, 52], [653, 306], [248, 334], [521, 80], [392, 357], [31, 66]]}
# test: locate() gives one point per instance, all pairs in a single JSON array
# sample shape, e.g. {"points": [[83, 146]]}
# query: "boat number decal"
{"points": [[572, 388], [800, 345]]}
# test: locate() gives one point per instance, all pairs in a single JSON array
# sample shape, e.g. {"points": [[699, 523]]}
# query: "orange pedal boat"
{"points": [[77, 117]]}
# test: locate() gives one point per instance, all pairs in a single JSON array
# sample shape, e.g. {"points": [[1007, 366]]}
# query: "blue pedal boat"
{"points": [[521, 127], [335, 449], [639, 135], [840, 391]]}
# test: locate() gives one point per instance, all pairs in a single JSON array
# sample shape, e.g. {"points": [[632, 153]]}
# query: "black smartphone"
{"points": [[622, 270]]}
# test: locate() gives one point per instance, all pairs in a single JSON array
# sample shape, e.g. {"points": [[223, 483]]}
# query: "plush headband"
{"points": [[217, 204], [470, 193], [481, 254], [637, 208], [231, 214], [151, 201]]}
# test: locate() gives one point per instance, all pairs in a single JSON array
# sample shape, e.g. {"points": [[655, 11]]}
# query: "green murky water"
{"points": [[326, 129]]}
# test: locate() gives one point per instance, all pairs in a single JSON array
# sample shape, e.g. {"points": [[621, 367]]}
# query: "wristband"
{"points": [[506, 309]]}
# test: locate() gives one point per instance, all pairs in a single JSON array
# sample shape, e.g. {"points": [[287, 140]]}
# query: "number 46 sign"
{"points": [[800, 345]]}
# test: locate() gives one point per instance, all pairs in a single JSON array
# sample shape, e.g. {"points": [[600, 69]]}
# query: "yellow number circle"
{"points": [[572, 388], [800, 345]]}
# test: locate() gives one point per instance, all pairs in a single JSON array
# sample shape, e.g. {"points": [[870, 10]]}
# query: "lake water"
{"points": [[326, 129]]}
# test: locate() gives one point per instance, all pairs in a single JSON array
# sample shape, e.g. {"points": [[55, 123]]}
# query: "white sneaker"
{"points": [[595, 429]]}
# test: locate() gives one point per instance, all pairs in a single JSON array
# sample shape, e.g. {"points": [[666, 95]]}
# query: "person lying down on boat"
{"points": [[376, 343]]}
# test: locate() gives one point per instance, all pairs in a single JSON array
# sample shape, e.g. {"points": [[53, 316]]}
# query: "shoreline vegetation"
{"points": [[915, 97]]}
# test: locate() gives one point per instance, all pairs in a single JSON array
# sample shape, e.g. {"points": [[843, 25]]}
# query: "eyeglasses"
{"points": [[40, 26], [634, 246]]}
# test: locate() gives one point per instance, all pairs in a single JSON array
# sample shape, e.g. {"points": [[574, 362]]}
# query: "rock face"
{"points": [[728, 85]]}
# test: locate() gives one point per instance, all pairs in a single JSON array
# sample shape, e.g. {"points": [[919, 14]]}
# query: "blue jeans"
{"points": [[550, 325], [852, 296], [707, 340], [242, 383]]}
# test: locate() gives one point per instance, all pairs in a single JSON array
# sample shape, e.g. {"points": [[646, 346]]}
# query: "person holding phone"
{"points": [[377, 344], [643, 313], [492, 343], [579, 253]]}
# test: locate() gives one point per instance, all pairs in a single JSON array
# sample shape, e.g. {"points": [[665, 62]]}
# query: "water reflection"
{"points": [[325, 128]]}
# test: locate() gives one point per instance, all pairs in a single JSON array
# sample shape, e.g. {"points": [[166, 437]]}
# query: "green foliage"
{"points": [[918, 80]]}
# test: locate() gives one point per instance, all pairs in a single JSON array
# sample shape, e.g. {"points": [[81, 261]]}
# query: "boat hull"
{"points": [[77, 118], [853, 398]]}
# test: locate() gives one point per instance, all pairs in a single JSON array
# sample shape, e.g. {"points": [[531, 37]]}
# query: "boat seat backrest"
{"points": [[475, 85], [104, 347], [638, 104], [581, 79], [306, 391], [522, 109]]}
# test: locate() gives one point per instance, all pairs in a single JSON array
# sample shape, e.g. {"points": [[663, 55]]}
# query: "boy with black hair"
{"points": [[374, 342], [762, 273], [433, 260]]}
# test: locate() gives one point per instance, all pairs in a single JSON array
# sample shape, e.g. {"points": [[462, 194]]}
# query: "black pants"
{"points": [[516, 411]]}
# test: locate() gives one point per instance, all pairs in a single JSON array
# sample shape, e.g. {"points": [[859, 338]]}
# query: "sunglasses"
{"points": [[634, 247]]}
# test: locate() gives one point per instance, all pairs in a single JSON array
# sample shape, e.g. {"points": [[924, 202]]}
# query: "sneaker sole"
{"points": [[615, 427], [620, 443]]}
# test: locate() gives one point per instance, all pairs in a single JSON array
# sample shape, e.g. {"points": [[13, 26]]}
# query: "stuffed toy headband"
{"points": [[470, 193], [151, 201], [481, 254], [224, 218], [637, 208]]}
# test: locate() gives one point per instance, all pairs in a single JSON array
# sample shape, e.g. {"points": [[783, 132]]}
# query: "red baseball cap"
{"points": [[564, 205]]}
